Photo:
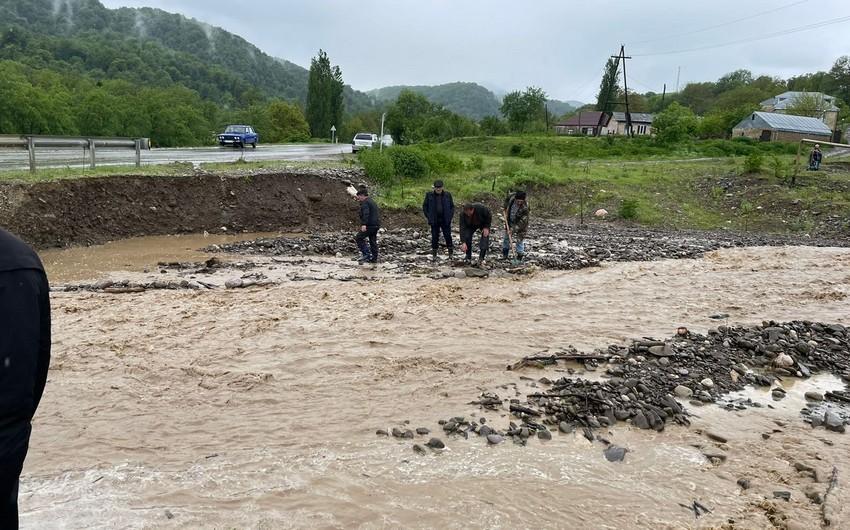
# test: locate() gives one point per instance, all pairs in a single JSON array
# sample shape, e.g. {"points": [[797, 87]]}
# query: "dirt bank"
{"points": [[94, 210]]}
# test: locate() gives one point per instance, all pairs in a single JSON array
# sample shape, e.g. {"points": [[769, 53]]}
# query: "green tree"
{"points": [[609, 89], [808, 104], [406, 116], [286, 123], [324, 96], [523, 108], [493, 126], [674, 124]]}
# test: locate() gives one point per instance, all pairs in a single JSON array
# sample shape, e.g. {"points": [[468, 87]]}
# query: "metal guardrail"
{"points": [[31, 142]]}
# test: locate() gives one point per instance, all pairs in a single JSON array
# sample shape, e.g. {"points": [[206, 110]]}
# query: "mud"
{"points": [[89, 211], [258, 407]]}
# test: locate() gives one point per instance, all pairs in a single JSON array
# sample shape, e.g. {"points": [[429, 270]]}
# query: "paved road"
{"points": [[17, 159]]}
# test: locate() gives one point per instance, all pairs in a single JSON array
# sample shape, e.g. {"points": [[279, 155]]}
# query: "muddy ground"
{"points": [[256, 404]]}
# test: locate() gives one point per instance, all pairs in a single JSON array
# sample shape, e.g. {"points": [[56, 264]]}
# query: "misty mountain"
{"points": [[467, 99], [149, 47]]}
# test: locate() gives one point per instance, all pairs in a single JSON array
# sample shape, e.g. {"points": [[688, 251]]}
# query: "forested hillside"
{"points": [[467, 99], [63, 59]]}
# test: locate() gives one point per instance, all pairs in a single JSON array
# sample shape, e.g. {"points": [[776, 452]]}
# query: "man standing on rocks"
{"points": [[439, 209], [24, 358], [516, 217], [475, 216], [370, 223]]}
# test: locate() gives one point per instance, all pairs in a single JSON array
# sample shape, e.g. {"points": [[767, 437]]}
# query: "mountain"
{"points": [[467, 99], [559, 108], [149, 47]]}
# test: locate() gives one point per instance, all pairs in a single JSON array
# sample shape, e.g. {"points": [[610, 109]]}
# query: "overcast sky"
{"points": [[558, 45]]}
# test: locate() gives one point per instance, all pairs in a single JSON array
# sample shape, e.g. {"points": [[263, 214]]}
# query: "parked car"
{"points": [[363, 140], [239, 136], [387, 140]]}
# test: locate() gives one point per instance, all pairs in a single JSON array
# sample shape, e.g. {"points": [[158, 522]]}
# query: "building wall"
{"points": [[619, 128], [784, 136]]}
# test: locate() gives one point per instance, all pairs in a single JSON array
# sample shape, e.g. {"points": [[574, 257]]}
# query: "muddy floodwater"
{"points": [[257, 408]]}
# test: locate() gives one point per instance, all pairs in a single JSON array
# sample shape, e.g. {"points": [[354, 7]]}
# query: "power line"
{"points": [[722, 24], [752, 39]]}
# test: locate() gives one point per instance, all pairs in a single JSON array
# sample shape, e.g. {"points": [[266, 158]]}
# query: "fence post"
{"points": [[138, 152], [31, 152], [91, 153]]}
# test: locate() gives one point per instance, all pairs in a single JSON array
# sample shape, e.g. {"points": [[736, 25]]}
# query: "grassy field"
{"points": [[678, 187]]}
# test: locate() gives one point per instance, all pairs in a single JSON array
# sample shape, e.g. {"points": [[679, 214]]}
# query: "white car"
{"points": [[387, 140], [363, 141]]}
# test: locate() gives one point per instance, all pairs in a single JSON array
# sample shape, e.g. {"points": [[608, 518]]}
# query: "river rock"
{"points": [[683, 392], [544, 434], [814, 396], [485, 431], [707, 383], [717, 437], [422, 430], [640, 421], [494, 439], [615, 454], [833, 421], [436, 443], [783, 361], [565, 427], [419, 449]]}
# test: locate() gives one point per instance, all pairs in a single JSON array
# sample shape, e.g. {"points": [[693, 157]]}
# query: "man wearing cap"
{"points": [[439, 209], [475, 216], [24, 357], [516, 216], [370, 223]]}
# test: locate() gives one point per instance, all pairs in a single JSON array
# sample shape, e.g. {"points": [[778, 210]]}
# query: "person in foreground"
{"points": [[370, 223], [24, 358], [475, 216], [439, 210]]}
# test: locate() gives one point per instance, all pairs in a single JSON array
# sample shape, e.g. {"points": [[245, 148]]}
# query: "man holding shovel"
{"points": [[516, 224]]}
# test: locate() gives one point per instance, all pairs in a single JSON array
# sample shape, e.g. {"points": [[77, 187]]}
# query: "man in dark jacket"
{"points": [[516, 215], [439, 209], [370, 223], [475, 216], [24, 357]]}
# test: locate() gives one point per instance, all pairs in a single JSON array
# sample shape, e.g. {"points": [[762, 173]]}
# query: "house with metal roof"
{"points": [[773, 127], [590, 123], [823, 105], [641, 123]]}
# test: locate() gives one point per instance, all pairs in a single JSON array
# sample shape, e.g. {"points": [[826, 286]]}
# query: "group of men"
{"points": [[439, 208]]}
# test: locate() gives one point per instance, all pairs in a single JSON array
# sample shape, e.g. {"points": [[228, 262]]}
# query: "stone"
{"points": [[707, 383], [544, 434], [661, 351], [382, 432], [783, 360], [422, 430], [786, 495], [717, 437], [814, 396], [683, 392], [833, 422], [494, 439], [485, 431], [744, 483], [168, 514], [601, 213], [436, 443], [640, 421], [615, 454], [565, 427], [803, 347], [715, 456], [419, 449]]}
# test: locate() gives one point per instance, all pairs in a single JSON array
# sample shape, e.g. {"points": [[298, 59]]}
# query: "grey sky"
{"points": [[560, 46]]}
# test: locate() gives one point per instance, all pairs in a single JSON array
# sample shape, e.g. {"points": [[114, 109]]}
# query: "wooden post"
{"points": [[31, 152], [138, 153], [796, 164], [91, 154]]}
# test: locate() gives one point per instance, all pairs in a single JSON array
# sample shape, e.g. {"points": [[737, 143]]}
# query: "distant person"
{"points": [[439, 210], [475, 216], [24, 358], [815, 158], [370, 223], [516, 216]]}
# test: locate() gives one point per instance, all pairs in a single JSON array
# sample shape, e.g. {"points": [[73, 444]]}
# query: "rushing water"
{"points": [[257, 408]]}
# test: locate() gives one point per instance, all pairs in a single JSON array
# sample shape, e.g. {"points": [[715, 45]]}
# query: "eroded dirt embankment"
{"points": [[94, 210]]}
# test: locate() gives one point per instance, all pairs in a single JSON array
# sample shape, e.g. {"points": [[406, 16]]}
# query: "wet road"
{"points": [[17, 159]]}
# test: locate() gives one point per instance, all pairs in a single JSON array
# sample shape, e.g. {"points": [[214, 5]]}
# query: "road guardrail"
{"points": [[31, 142]]}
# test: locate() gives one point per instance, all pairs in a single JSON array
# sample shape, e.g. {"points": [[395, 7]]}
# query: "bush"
{"points": [[476, 162], [409, 162], [438, 160], [511, 168], [379, 166], [628, 209], [753, 162]]}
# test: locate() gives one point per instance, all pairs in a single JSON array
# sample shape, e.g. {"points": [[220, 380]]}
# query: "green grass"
{"points": [[660, 191], [59, 173]]}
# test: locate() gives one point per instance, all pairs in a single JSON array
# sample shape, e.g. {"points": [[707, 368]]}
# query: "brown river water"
{"points": [[257, 408]]}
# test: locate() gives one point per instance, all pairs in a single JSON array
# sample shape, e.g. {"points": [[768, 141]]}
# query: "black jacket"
{"points": [[24, 331], [369, 214], [481, 218], [429, 208]]}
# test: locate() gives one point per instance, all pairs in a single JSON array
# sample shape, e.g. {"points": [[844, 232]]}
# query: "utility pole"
{"points": [[678, 73], [663, 93], [622, 57]]}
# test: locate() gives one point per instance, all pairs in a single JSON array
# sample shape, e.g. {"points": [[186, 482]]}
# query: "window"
{"points": [[641, 129], [363, 136]]}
